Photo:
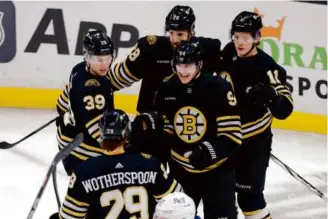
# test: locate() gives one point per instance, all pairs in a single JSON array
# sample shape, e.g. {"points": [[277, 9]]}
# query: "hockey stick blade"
{"points": [[59, 156], [6, 145], [298, 177]]}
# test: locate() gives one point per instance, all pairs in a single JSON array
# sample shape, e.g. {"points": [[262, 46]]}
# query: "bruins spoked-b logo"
{"points": [[190, 124]]}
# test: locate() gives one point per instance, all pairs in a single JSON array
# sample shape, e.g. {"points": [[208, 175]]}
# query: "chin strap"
{"points": [[253, 46]]}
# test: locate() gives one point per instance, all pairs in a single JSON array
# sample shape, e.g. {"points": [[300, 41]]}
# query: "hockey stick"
{"points": [[54, 180], [59, 156], [298, 177], [6, 145]]}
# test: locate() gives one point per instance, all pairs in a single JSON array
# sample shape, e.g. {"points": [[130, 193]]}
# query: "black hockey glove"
{"points": [[262, 93], [144, 131], [203, 155], [54, 216]]}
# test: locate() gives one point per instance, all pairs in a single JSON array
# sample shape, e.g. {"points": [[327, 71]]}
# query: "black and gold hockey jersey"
{"points": [[247, 72], [86, 97], [117, 186], [150, 61], [205, 111]]}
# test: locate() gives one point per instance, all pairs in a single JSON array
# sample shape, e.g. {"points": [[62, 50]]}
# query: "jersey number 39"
{"points": [[96, 102], [126, 200]]}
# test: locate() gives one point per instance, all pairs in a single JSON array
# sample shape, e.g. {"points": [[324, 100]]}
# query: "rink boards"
{"points": [[40, 43]]}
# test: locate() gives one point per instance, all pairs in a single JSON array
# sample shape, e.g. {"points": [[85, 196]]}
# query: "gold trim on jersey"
{"points": [[121, 76], [175, 187], [185, 163], [256, 127], [284, 91], [73, 208], [128, 72], [93, 128], [62, 101], [230, 126]]}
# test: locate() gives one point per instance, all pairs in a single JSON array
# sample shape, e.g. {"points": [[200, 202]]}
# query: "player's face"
{"points": [[176, 36], [99, 65], [243, 43], [187, 72]]}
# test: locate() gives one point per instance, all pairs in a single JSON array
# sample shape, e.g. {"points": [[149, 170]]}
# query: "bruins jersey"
{"points": [[205, 111], [86, 97], [247, 72], [150, 61], [117, 186]]}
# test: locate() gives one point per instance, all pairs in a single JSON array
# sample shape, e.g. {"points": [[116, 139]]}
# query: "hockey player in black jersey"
{"points": [[261, 91], [116, 185], [84, 99], [150, 59], [201, 131]]}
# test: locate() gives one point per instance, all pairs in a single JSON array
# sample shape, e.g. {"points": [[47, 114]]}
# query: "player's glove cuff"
{"points": [[203, 155], [68, 119], [262, 93]]}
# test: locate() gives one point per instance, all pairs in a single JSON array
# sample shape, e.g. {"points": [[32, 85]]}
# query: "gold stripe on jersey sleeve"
{"points": [[76, 202], [170, 190], [221, 118], [128, 73], [257, 121], [258, 131], [113, 82], [120, 77], [73, 213], [94, 120], [60, 107], [184, 162], [237, 140], [209, 168], [232, 128]]}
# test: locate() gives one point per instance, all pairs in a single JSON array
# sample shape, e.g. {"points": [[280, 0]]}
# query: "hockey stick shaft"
{"points": [[298, 177], [6, 145], [54, 180], [59, 156]]}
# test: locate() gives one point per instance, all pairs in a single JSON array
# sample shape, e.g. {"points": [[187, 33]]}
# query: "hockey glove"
{"points": [[144, 129], [54, 216], [69, 119], [262, 93], [202, 156]]}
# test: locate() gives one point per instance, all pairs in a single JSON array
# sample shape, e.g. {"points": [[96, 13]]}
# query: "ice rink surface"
{"points": [[23, 169]]}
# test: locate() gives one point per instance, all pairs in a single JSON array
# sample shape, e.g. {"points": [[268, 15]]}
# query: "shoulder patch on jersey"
{"points": [[147, 156], [92, 83], [151, 39], [72, 181]]}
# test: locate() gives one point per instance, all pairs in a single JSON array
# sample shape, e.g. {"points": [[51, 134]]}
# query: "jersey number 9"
{"points": [[96, 102], [126, 200]]}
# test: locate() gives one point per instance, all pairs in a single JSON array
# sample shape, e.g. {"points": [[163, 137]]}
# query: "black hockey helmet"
{"points": [[246, 22], [187, 52], [114, 125], [180, 18], [96, 42]]}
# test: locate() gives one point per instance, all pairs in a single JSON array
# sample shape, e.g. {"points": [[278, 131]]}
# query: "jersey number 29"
{"points": [[126, 200], [97, 102]]}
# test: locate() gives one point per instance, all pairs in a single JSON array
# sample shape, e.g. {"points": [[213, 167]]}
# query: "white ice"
{"points": [[23, 169]]}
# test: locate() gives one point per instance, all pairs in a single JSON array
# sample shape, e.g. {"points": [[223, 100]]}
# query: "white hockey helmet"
{"points": [[176, 205]]}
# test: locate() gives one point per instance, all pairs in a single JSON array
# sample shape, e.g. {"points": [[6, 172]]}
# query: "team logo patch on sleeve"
{"points": [[72, 181], [151, 39], [190, 124]]}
